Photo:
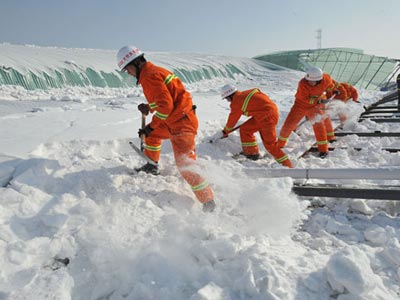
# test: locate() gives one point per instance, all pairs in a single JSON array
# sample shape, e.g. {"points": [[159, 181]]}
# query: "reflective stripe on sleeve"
{"points": [[161, 116], [246, 101], [169, 78]]}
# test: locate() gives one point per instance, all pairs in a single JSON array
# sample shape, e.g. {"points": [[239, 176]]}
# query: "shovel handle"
{"points": [[142, 135]]}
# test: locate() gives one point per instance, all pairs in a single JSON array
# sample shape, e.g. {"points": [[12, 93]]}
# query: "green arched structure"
{"points": [[343, 64]]}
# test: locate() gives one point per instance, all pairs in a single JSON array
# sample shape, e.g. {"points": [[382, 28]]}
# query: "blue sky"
{"points": [[227, 27]]}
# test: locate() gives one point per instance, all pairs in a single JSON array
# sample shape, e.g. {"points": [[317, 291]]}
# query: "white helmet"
{"points": [[313, 74], [126, 55], [227, 90]]}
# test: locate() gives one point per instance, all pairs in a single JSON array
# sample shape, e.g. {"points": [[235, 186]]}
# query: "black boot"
{"points": [[248, 156], [149, 168], [323, 154], [209, 206], [253, 156]]}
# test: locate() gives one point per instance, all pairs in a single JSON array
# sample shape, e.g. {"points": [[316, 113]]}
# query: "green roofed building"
{"points": [[343, 64]]}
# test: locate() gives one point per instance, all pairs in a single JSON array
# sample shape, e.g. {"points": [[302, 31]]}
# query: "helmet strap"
{"points": [[136, 64]]}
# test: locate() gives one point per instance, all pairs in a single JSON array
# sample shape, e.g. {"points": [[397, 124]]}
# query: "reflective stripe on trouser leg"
{"points": [[292, 119], [152, 148], [330, 132], [320, 136], [268, 136], [287, 163], [282, 141], [203, 191], [250, 148], [280, 156], [247, 138], [185, 157], [330, 135], [153, 143]]}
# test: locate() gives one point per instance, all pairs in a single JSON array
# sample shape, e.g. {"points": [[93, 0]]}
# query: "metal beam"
{"points": [[346, 192], [328, 173], [369, 134], [382, 109], [379, 113], [388, 98], [377, 71], [382, 120], [315, 149]]}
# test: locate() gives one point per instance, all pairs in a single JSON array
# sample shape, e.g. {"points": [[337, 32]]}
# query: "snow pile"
{"points": [[138, 234]]}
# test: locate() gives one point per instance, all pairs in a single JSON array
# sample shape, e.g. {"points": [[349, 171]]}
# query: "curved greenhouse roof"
{"points": [[343, 64]]}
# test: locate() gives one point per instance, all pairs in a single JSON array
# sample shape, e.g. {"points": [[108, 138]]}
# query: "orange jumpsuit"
{"points": [[342, 91], [306, 105], [330, 132], [347, 92], [174, 119], [265, 115], [351, 91]]}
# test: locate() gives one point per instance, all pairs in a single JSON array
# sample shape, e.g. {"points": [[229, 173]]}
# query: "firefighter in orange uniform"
{"points": [[173, 118], [309, 102], [338, 92], [346, 92], [265, 115], [351, 92]]}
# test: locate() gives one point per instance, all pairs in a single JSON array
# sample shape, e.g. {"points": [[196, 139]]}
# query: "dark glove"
{"points": [[144, 108], [146, 131], [323, 101], [337, 92], [224, 134]]}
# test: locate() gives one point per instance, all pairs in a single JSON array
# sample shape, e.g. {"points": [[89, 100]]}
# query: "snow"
{"points": [[145, 237]]}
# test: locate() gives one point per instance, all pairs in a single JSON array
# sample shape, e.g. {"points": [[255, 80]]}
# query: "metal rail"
{"points": [[373, 113], [315, 149], [368, 134], [328, 173], [382, 120], [347, 192]]}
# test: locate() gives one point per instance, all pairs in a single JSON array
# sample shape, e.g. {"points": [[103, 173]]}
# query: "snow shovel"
{"points": [[142, 135], [140, 151], [234, 129]]}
